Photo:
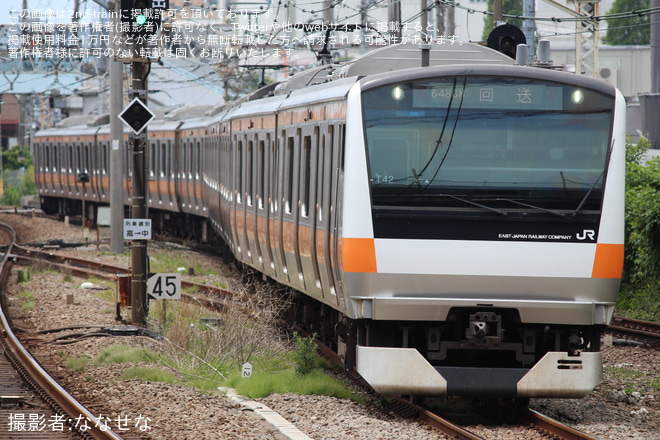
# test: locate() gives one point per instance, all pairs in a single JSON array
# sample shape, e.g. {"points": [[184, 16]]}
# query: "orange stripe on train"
{"points": [[358, 255], [609, 261]]}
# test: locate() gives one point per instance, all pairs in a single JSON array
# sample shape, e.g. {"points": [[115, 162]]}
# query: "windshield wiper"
{"points": [[538, 208], [470, 202], [591, 188]]}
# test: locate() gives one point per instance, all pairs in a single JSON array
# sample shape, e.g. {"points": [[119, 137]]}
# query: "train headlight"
{"points": [[577, 96], [398, 93]]}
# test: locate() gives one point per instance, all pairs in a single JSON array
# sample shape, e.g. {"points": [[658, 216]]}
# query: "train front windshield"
{"points": [[497, 142]]}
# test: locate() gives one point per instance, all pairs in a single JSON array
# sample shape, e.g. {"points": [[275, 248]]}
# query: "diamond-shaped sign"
{"points": [[136, 116]]}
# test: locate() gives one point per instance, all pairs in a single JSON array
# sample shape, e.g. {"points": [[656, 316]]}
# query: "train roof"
{"points": [[407, 56], [490, 71], [267, 105], [320, 92], [389, 59], [188, 112]]}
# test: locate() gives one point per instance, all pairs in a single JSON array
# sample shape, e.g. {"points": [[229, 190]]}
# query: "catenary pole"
{"points": [[116, 143]]}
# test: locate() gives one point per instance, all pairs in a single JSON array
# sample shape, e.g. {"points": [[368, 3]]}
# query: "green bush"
{"points": [[304, 354], [640, 295]]}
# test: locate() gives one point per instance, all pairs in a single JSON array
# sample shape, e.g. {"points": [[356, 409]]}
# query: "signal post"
{"points": [[140, 19]]}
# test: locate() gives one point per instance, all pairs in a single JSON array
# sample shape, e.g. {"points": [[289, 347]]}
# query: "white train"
{"points": [[456, 229]]}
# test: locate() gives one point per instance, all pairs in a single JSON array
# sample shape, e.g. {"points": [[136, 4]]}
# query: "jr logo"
{"points": [[587, 233]]}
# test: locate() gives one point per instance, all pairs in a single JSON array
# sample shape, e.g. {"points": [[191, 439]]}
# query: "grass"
{"points": [[26, 300], [77, 364], [122, 353], [639, 303], [150, 374], [315, 383], [166, 261], [270, 375], [633, 380]]}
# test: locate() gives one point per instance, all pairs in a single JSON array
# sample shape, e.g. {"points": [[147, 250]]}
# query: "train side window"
{"points": [[261, 175], [62, 163], [198, 159], [321, 176], [291, 141], [78, 159], [249, 163], [170, 157], [152, 159], [163, 160], [70, 161], [274, 173], [56, 162], [305, 170], [104, 159], [239, 171], [47, 158], [85, 165], [190, 160]]}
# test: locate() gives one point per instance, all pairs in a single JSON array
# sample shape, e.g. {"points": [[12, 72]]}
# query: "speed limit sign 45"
{"points": [[164, 286]]}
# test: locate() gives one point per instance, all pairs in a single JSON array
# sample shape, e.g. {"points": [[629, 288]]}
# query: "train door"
{"points": [[163, 173], [250, 205], [70, 170], [180, 167], [94, 177], [85, 169], [186, 149], [291, 208], [104, 184], [255, 215], [60, 168], [239, 196], [196, 161], [307, 213], [226, 179], [264, 190], [337, 169], [77, 171], [276, 206], [153, 196], [323, 213], [47, 167]]}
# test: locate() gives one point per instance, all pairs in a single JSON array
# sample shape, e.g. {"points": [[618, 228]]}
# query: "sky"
{"points": [[66, 6]]}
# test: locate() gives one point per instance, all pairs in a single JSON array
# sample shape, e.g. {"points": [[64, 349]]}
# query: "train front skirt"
{"points": [[406, 371]]}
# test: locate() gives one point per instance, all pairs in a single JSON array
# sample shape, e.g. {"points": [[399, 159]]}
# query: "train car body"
{"points": [[457, 227]]}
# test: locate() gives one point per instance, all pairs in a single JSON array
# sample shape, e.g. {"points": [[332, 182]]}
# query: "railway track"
{"points": [[32, 404], [84, 267], [407, 409], [634, 329]]}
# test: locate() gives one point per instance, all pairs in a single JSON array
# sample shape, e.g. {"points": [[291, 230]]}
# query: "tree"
{"points": [[16, 158], [509, 7], [630, 30], [642, 261]]}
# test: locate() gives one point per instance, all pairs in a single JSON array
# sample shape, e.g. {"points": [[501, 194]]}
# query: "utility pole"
{"points": [[497, 13], [363, 27], [425, 20], [394, 20], [116, 143], [142, 17], [529, 27], [439, 19], [655, 49], [451, 20], [139, 203]]}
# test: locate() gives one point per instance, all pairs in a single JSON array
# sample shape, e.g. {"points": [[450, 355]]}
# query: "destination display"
{"points": [[500, 96]]}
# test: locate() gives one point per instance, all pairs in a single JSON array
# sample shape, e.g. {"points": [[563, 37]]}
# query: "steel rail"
{"points": [[553, 426], [81, 267], [402, 406], [59, 395]]}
